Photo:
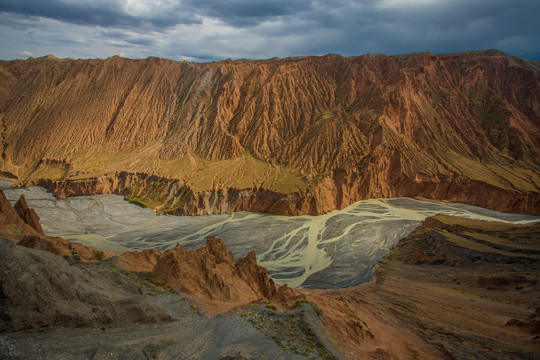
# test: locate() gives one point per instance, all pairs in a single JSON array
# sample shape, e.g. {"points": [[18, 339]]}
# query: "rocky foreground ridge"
{"points": [[208, 274], [291, 136], [55, 302], [453, 288]]}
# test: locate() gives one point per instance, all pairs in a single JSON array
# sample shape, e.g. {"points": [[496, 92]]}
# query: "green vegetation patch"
{"points": [[245, 172], [507, 176]]}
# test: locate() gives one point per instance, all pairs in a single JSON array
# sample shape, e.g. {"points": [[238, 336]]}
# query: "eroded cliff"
{"points": [[293, 136]]}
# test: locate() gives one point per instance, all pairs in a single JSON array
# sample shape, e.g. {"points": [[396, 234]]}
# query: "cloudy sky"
{"points": [[206, 30]]}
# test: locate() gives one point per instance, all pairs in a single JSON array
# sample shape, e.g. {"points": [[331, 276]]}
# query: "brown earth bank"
{"points": [[168, 196], [453, 289], [290, 136]]}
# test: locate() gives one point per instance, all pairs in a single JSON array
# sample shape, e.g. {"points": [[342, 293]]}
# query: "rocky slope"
{"points": [[210, 275], [207, 274], [453, 289], [292, 136], [108, 312], [41, 290]]}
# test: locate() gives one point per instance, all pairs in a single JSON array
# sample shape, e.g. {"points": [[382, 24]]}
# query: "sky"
{"points": [[209, 30]]}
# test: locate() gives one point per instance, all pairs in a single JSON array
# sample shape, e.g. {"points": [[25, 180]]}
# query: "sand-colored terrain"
{"points": [[453, 289], [287, 136]]}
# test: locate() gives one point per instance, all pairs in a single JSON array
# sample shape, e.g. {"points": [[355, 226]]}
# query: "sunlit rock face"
{"points": [[292, 136], [334, 250]]}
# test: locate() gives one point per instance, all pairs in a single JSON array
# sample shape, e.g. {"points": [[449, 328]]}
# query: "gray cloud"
{"points": [[240, 13], [205, 30], [104, 12]]}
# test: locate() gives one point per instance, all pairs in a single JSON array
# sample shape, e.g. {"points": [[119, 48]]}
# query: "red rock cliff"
{"points": [[327, 131], [210, 275]]}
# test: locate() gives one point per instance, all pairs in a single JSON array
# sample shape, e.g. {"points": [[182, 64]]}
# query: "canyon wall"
{"points": [[290, 136]]}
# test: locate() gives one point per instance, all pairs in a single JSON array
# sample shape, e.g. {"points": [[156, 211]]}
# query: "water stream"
{"points": [[334, 250]]}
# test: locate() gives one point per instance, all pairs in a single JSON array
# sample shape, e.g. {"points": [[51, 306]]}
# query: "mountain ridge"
{"points": [[287, 126]]}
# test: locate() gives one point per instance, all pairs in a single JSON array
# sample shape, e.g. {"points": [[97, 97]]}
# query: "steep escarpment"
{"points": [[169, 196], [328, 130]]}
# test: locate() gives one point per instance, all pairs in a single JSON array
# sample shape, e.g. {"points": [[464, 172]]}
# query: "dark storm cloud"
{"points": [[128, 37], [438, 26], [100, 12], [217, 29], [113, 12], [248, 12]]}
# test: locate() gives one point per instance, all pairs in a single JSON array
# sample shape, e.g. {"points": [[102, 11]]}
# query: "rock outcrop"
{"points": [[451, 240], [12, 225], [442, 292], [20, 224], [41, 290], [210, 275], [65, 248], [256, 276], [141, 261], [28, 215], [207, 274], [293, 136]]}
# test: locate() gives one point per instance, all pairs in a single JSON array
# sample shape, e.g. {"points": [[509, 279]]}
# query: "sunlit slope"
{"points": [[285, 125]]}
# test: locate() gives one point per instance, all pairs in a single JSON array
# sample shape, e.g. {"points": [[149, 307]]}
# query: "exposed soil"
{"points": [[457, 300], [185, 333], [453, 289], [288, 136]]}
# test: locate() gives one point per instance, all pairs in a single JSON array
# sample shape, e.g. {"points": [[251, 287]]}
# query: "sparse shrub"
{"points": [[314, 306], [299, 302], [437, 262], [271, 305], [98, 255]]}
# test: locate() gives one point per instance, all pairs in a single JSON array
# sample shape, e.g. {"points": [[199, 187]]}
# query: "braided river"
{"points": [[333, 250]]}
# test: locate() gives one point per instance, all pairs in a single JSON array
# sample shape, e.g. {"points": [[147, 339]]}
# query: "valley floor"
{"points": [[452, 289]]}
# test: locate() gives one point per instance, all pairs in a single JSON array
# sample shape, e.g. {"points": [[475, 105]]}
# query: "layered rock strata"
{"points": [[453, 288], [292, 136]]}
